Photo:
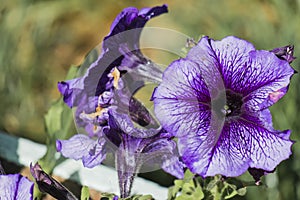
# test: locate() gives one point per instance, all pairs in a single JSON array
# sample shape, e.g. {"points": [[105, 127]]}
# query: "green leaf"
{"points": [[58, 122], [73, 72], [211, 185], [143, 197], [198, 194], [190, 191], [178, 183], [184, 197], [188, 175], [91, 57], [85, 193], [188, 187], [231, 190], [232, 194], [172, 191], [107, 196], [139, 197], [242, 191], [53, 118]]}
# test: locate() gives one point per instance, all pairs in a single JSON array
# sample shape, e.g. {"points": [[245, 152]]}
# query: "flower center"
{"points": [[233, 104]]}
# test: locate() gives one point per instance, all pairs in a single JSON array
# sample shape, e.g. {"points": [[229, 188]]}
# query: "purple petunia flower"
{"points": [[95, 92], [216, 102], [102, 86], [120, 49], [15, 186]]}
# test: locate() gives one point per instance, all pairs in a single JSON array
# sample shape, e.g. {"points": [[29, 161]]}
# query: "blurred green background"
{"points": [[40, 40]]}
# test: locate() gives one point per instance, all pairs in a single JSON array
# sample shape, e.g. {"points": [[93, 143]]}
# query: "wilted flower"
{"points": [[48, 184], [285, 53], [216, 102]]}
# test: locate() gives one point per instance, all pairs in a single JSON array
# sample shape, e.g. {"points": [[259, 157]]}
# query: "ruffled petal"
{"points": [[76, 147], [173, 166], [267, 81], [257, 75], [195, 149], [209, 66], [15, 186], [95, 155], [145, 146], [82, 147], [25, 189], [71, 91], [182, 101], [121, 46], [131, 18], [242, 144], [233, 60], [123, 123]]}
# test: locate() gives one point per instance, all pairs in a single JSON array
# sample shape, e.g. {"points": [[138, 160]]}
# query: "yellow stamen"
{"points": [[116, 75], [99, 111], [95, 128]]}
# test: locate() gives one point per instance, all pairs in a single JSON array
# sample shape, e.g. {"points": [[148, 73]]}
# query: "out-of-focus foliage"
{"points": [[40, 40], [216, 187]]}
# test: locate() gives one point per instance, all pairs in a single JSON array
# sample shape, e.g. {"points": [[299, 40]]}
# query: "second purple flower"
{"points": [[216, 102]]}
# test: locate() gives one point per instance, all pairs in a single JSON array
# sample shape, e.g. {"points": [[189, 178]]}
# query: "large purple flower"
{"points": [[216, 102], [15, 186]]}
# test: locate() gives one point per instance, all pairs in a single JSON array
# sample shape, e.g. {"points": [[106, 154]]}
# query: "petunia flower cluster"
{"points": [[211, 107], [116, 121], [102, 88]]}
